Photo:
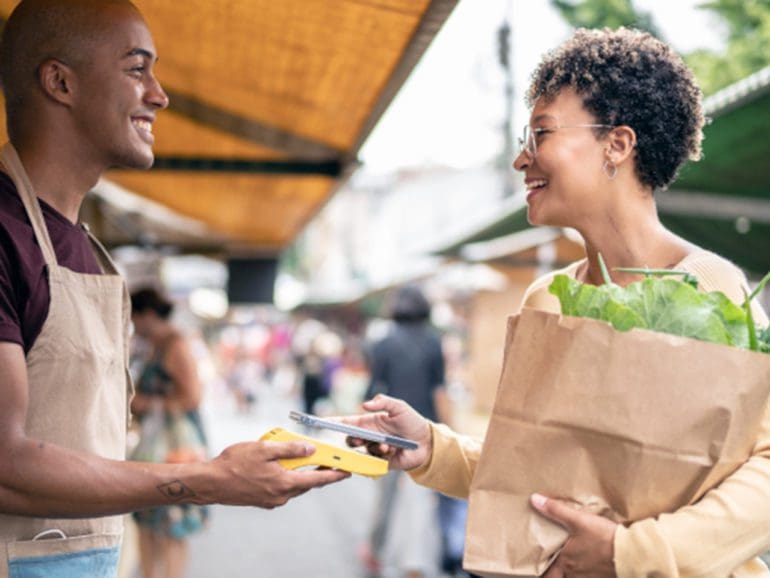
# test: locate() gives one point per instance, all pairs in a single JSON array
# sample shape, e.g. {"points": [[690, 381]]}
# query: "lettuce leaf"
{"points": [[661, 304], [764, 340]]}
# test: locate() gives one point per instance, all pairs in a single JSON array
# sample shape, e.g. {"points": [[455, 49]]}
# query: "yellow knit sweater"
{"points": [[716, 537]]}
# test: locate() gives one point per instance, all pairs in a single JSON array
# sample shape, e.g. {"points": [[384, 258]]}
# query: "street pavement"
{"points": [[317, 534]]}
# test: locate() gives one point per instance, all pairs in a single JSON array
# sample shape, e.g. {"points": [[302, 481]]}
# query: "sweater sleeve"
{"points": [[452, 463], [731, 523], [454, 458], [711, 538]]}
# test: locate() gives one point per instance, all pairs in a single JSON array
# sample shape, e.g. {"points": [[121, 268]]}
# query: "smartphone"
{"points": [[352, 431]]}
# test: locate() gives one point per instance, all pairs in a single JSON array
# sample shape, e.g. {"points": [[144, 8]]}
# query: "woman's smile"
{"points": [[534, 186]]}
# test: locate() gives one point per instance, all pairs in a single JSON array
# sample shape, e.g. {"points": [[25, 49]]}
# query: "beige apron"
{"points": [[78, 399]]}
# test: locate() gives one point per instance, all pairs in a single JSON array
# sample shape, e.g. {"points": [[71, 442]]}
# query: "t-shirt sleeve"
{"points": [[10, 325]]}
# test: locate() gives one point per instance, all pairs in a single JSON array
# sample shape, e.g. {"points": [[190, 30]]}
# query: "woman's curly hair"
{"points": [[628, 77]]}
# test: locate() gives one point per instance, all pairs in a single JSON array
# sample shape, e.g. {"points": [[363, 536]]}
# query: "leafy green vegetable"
{"points": [[688, 278], [664, 304], [764, 340]]}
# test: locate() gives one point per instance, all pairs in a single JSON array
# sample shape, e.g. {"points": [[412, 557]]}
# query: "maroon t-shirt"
{"points": [[24, 292]]}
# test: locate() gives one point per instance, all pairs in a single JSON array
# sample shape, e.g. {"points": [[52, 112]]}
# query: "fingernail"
{"points": [[309, 449], [538, 500]]}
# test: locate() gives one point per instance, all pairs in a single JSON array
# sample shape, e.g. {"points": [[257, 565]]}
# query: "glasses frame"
{"points": [[528, 140]]}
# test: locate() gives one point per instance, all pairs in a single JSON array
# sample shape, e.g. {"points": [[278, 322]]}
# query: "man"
{"points": [[81, 96]]}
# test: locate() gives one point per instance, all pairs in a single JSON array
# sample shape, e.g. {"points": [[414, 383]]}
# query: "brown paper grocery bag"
{"points": [[627, 424]]}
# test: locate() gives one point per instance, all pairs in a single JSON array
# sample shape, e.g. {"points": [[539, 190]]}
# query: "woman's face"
{"points": [[564, 177], [142, 323]]}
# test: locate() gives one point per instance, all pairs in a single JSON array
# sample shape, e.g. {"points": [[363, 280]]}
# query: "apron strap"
{"points": [[12, 162], [102, 255]]}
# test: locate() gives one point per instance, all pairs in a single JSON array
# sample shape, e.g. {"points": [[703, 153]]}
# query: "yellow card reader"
{"points": [[328, 455]]}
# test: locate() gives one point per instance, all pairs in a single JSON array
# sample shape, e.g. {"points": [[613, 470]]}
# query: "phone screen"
{"points": [[353, 431]]}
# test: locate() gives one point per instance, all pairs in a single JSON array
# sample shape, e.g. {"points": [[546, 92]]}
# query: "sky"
{"points": [[452, 108]]}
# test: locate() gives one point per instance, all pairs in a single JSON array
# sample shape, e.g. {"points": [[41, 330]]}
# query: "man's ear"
{"points": [[57, 81], [622, 142]]}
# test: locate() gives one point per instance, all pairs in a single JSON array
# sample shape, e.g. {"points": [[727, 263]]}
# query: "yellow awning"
{"points": [[270, 103]]}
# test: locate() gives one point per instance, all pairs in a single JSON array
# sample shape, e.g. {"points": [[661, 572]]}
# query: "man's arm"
{"points": [[42, 479]]}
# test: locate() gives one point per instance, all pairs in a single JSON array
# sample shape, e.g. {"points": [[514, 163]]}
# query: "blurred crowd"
{"points": [[325, 367]]}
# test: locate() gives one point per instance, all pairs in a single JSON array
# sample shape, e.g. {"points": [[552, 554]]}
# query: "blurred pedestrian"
{"points": [[311, 366], [168, 392], [408, 363], [244, 375]]}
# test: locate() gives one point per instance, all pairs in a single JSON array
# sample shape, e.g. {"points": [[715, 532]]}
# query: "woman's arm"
{"points": [[444, 461], [726, 528], [450, 466]]}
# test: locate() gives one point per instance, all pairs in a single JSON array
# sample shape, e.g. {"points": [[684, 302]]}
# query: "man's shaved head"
{"points": [[39, 30]]}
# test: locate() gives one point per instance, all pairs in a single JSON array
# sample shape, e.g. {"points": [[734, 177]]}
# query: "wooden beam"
{"points": [[713, 206], [249, 129], [330, 168]]}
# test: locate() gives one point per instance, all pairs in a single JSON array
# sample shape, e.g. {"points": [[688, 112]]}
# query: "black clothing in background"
{"points": [[408, 364]]}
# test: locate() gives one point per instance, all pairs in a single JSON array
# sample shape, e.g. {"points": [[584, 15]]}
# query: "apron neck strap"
{"points": [[12, 162], [102, 255]]}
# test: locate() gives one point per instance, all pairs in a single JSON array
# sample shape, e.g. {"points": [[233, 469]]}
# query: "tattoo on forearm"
{"points": [[176, 491]]}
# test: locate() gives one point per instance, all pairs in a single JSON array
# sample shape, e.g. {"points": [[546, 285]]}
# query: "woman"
{"points": [[168, 383], [614, 116]]}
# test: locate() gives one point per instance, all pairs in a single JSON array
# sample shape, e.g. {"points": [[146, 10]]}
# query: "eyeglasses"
{"points": [[528, 140]]}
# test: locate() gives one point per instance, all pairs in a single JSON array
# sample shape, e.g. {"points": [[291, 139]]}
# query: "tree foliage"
{"points": [[748, 44], [605, 13], [747, 23]]}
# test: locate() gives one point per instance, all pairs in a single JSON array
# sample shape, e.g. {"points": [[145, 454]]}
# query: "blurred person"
{"points": [[168, 382], [81, 96], [408, 364], [308, 361], [350, 381], [331, 349], [311, 368], [242, 379], [614, 116], [318, 361], [453, 515]]}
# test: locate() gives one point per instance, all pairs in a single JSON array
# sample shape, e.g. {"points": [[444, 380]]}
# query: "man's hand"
{"points": [[396, 417], [252, 475], [589, 549]]}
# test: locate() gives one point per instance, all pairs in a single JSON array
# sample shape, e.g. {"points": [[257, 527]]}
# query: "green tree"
{"points": [[747, 24], [605, 13], [748, 44]]}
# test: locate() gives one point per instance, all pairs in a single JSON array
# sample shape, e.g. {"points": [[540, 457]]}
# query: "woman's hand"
{"points": [[589, 550], [395, 417]]}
